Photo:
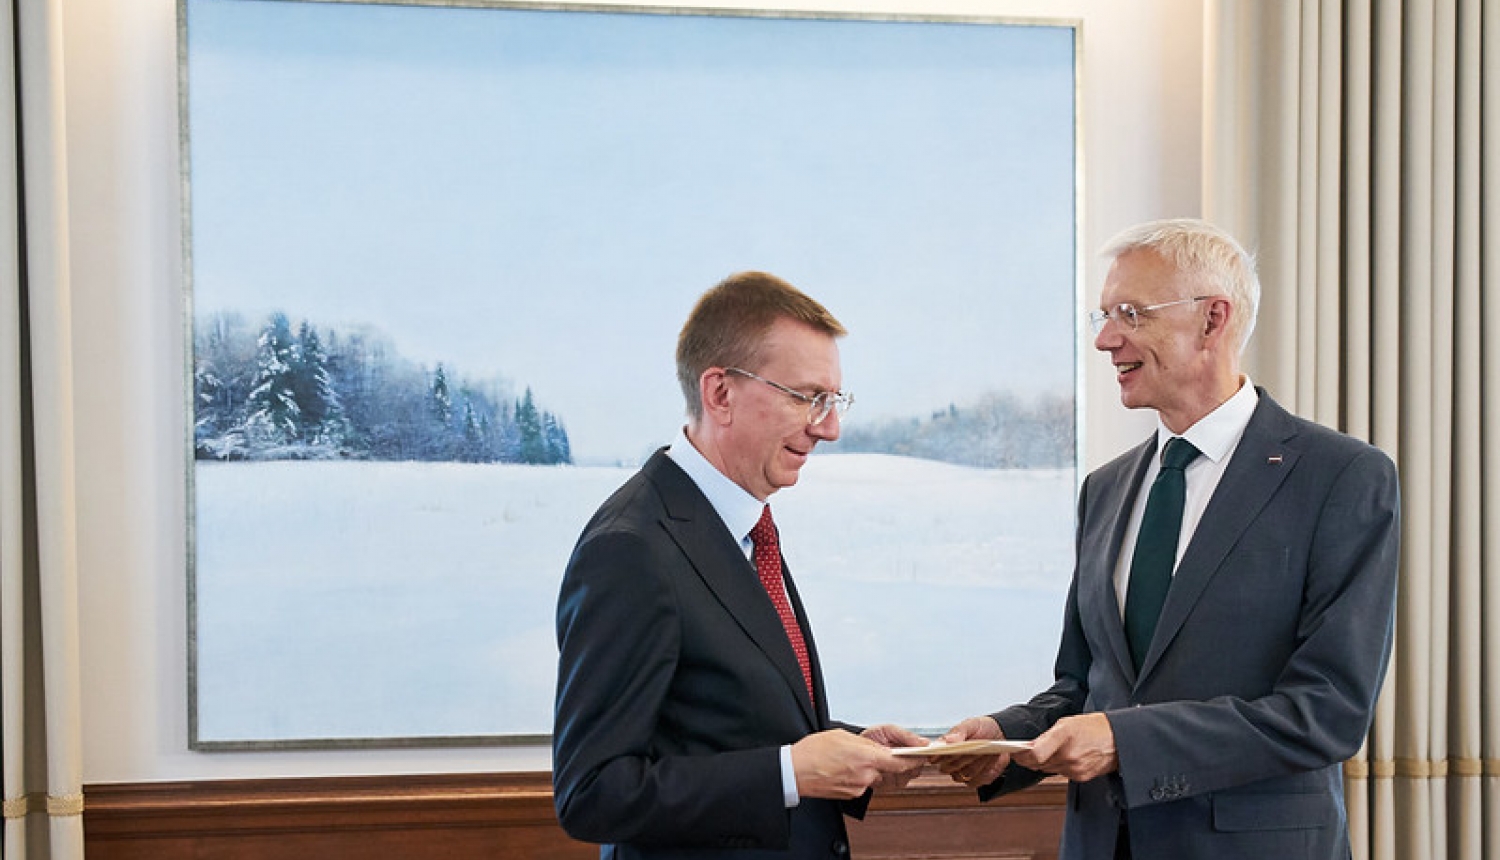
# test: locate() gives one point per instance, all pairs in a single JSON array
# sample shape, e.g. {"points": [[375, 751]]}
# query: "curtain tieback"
{"points": [[52, 804]]}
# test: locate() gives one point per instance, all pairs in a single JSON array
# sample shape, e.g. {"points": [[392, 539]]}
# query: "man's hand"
{"points": [[1080, 748], [838, 765], [974, 770], [895, 737]]}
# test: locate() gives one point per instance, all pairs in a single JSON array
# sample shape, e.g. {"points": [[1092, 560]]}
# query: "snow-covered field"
{"points": [[380, 600]]}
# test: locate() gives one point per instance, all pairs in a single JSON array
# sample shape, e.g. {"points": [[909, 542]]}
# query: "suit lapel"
{"points": [[719, 561], [1259, 465], [1104, 597], [820, 692]]}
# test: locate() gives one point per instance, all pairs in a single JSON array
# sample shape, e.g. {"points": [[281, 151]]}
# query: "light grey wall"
{"points": [[1141, 120]]}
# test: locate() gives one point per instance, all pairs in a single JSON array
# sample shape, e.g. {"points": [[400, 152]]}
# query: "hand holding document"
{"points": [[977, 751], [974, 747]]}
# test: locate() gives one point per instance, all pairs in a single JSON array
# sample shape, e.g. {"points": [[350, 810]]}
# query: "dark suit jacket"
{"points": [[677, 687], [1267, 658]]}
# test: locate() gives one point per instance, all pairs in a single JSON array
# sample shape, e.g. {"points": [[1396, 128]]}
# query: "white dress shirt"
{"points": [[1216, 435]]}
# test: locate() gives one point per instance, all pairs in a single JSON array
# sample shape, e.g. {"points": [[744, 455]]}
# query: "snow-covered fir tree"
{"points": [[274, 413], [321, 412]]}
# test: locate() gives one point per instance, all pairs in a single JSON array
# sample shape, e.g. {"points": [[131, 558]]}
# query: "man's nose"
{"points": [[829, 428], [1108, 337]]}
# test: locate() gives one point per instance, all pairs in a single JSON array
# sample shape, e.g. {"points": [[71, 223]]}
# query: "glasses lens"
{"points": [[819, 408], [826, 402], [1096, 320], [1126, 314]]}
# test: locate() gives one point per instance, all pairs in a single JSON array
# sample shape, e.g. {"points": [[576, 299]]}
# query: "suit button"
{"points": [[840, 848]]}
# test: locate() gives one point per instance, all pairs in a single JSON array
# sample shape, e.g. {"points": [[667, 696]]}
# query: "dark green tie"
{"points": [[1156, 548]]}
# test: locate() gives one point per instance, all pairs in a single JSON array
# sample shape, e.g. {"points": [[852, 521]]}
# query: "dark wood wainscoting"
{"points": [[936, 819], [497, 817]]}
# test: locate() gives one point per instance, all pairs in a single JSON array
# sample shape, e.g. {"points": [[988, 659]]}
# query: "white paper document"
{"points": [[980, 747]]}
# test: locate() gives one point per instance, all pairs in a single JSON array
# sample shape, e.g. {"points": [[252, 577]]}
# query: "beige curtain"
{"points": [[1353, 145], [39, 674]]}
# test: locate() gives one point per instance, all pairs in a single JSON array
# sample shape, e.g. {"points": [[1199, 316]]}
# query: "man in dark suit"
{"points": [[1212, 723], [692, 720]]}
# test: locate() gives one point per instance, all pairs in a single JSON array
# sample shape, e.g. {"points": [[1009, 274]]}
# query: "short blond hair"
{"points": [[1202, 250]]}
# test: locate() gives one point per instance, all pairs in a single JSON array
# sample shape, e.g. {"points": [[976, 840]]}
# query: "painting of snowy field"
{"points": [[439, 256], [365, 600]]}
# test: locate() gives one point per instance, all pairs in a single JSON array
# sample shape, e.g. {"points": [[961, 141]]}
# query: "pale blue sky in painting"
{"points": [[542, 194]]}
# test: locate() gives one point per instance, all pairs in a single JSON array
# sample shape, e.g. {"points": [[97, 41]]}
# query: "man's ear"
{"points": [[1216, 321], [713, 389]]}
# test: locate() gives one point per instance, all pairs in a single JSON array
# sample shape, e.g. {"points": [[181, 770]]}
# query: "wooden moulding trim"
{"points": [[934, 791], [363, 803], [324, 803]]}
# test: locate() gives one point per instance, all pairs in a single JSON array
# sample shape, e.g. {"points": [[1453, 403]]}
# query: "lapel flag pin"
{"points": [[1274, 459]]}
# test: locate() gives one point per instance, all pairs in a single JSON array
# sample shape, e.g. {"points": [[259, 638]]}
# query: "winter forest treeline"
{"points": [[272, 394], [998, 431]]}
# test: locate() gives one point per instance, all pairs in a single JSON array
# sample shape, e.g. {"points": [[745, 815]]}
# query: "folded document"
{"points": [[995, 747]]}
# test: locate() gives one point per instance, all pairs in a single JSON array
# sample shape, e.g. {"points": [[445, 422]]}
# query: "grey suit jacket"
{"points": [[1266, 662], [676, 688]]}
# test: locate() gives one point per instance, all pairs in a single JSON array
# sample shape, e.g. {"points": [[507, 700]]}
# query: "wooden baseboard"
{"points": [[506, 816], [935, 819]]}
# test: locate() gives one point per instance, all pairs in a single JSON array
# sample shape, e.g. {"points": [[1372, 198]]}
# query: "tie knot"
{"points": [[764, 532], [1178, 453]]}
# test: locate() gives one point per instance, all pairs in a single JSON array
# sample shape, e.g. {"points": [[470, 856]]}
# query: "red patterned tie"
{"points": [[768, 565]]}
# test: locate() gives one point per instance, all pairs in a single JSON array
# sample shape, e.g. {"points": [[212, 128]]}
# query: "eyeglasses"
{"points": [[818, 405], [1126, 313]]}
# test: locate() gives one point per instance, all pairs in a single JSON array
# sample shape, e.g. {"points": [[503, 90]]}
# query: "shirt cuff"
{"points": [[789, 794]]}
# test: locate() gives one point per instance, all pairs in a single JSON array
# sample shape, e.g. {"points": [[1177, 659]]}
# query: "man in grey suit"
{"points": [[1211, 722], [692, 722]]}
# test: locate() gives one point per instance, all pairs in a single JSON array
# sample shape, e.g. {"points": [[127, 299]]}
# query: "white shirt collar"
{"points": [[739, 510], [1217, 433]]}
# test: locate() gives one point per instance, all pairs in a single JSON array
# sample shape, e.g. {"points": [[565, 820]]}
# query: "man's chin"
{"points": [[1130, 398], [787, 478]]}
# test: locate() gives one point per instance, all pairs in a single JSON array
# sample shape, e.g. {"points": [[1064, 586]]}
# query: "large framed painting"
{"points": [[438, 256]]}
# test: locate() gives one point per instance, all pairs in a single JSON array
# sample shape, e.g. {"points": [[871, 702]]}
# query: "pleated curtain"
{"points": [[1356, 147], [40, 729]]}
